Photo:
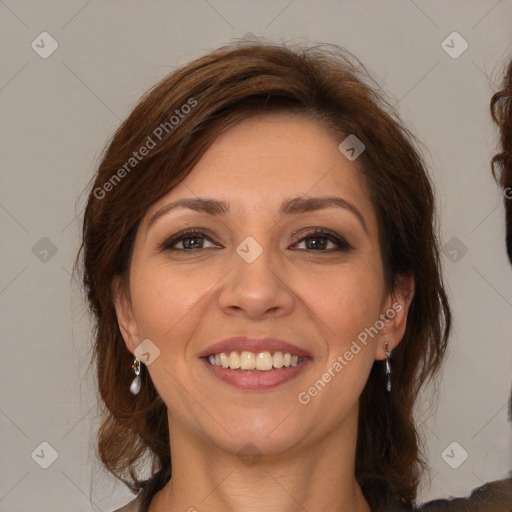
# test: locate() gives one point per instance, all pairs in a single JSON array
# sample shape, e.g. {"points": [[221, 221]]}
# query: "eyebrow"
{"points": [[208, 206], [292, 206], [311, 204]]}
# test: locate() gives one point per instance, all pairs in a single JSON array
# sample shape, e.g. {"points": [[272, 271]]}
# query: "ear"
{"points": [[395, 320], [125, 316]]}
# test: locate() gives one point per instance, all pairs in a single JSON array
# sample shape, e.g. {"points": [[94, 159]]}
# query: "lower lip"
{"points": [[256, 380]]}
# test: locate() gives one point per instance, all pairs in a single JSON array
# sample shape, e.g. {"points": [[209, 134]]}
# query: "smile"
{"points": [[255, 371], [261, 361]]}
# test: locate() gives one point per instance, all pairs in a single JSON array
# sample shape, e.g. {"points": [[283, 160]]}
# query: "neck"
{"points": [[315, 478]]}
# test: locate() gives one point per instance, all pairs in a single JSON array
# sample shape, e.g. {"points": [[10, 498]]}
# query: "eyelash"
{"points": [[342, 244]]}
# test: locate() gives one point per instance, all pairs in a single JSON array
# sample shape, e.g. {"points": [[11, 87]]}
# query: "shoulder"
{"points": [[491, 497], [134, 506]]}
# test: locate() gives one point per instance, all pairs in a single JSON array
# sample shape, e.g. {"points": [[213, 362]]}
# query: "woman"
{"points": [[260, 257]]}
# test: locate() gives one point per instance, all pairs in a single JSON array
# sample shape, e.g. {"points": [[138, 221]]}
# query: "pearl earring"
{"points": [[388, 366], [136, 382]]}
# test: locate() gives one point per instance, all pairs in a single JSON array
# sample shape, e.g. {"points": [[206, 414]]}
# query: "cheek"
{"points": [[348, 301], [169, 301]]}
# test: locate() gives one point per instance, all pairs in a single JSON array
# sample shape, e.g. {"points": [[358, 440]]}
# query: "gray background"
{"points": [[57, 115]]}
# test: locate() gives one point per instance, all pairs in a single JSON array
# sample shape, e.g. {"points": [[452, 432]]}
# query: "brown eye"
{"points": [[317, 242], [191, 242], [322, 240], [187, 241]]}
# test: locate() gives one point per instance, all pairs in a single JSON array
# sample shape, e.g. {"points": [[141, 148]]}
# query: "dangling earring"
{"points": [[388, 366], [136, 382]]}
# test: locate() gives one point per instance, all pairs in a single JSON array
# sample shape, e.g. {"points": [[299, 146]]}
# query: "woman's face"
{"points": [[266, 256]]}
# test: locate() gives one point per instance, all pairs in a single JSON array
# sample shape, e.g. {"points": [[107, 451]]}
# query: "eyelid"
{"points": [[339, 240], [167, 244]]}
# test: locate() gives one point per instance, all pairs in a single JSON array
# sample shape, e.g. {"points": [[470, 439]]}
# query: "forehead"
{"points": [[274, 142], [263, 159]]}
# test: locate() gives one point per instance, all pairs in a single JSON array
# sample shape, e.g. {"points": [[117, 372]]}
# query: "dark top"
{"points": [[491, 497]]}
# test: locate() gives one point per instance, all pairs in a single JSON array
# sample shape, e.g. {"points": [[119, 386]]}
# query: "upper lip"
{"points": [[253, 344]]}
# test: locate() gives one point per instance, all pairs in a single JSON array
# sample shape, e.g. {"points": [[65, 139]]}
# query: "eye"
{"points": [[187, 241], [322, 240]]}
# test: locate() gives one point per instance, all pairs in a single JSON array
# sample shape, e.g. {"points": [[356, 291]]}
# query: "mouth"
{"points": [[260, 361], [254, 379], [255, 364]]}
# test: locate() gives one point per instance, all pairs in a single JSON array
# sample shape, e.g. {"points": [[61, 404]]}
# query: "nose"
{"points": [[256, 290]]}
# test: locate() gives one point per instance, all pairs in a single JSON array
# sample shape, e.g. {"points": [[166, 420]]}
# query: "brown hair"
{"points": [[501, 163], [231, 84]]}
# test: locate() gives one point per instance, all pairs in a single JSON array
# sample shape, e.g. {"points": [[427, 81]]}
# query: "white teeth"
{"points": [[247, 361], [234, 361], [262, 361], [278, 360], [224, 360]]}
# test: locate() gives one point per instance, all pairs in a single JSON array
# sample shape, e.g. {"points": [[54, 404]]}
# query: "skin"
{"points": [[317, 299]]}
